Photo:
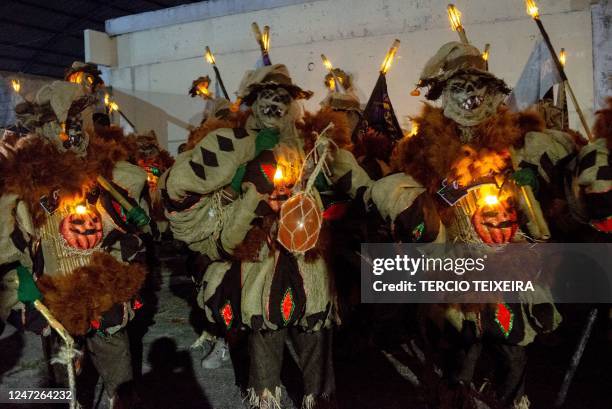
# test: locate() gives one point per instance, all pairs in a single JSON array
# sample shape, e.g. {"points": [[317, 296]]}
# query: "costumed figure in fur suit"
{"points": [[471, 136], [69, 211], [223, 198], [218, 113], [146, 152]]}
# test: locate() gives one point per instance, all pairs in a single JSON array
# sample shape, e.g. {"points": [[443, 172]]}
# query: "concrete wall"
{"points": [[602, 51], [155, 66]]}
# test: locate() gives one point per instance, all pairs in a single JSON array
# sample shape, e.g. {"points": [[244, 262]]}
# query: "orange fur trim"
{"points": [[234, 120], [603, 124], [37, 169], [314, 123], [112, 132], [429, 155], [77, 298]]}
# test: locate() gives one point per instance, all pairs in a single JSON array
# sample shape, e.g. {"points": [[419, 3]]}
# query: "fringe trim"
{"points": [[323, 401], [522, 403], [267, 400], [309, 402]]}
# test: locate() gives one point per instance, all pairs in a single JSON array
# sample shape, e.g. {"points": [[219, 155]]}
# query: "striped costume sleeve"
{"points": [[594, 175], [547, 153], [398, 198]]}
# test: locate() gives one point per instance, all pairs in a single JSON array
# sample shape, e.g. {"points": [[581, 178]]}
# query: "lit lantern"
{"points": [[82, 228], [300, 223], [495, 219]]}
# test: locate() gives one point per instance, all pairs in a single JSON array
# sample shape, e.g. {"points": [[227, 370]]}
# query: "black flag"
{"points": [[378, 128]]}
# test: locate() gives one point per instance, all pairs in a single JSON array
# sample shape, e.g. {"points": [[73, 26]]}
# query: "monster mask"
{"points": [[57, 114], [275, 108], [469, 99]]}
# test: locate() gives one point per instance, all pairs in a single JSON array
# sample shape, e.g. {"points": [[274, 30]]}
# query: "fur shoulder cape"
{"points": [[429, 155], [35, 168]]}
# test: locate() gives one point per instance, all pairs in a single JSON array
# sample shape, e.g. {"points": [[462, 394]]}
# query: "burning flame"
{"points": [[209, 56], [265, 38], [532, 8], [278, 176], [474, 165], [16, 85], [491, 200], [562, 57], [485, 53], [414, 130], [112, 106], [235, 107], [106, 99], [80, 209], [384, 68], [331, 84], [63, 135], [202, 89], [454, 16], [76, 77], [328, 65]]}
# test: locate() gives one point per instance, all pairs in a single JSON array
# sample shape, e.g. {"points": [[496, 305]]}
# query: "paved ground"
{"points": [[365, 379], [170, 327]]}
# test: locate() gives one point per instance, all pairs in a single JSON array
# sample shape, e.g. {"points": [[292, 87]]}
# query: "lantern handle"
{"points": [[322, 141]]}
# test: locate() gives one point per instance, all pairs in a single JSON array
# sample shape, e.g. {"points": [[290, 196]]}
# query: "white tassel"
{"points": [[267, 400], [309, 402], [522, 403], [205, 337]]}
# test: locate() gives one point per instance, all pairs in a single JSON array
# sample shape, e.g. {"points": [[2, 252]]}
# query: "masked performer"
{"points": [[223, 201], [69, 210], [470, 137]]}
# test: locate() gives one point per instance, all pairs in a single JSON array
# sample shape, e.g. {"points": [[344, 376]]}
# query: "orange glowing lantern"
{"points": [[82, 228], [495, 218], [300, 223]]}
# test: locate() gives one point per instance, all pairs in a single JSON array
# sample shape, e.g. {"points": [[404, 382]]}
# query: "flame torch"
{"points": [[386, 65], [211, 60], [263, 39], [330, 68], [112, 106], [454, 16]]}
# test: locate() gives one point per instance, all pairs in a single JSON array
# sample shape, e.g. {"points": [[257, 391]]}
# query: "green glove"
{"points": [[27, 291], [526, 177], [138, 217]]}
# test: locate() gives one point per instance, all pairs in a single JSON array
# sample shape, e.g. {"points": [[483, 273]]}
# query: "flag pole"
{"points": [[532, 10]]}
